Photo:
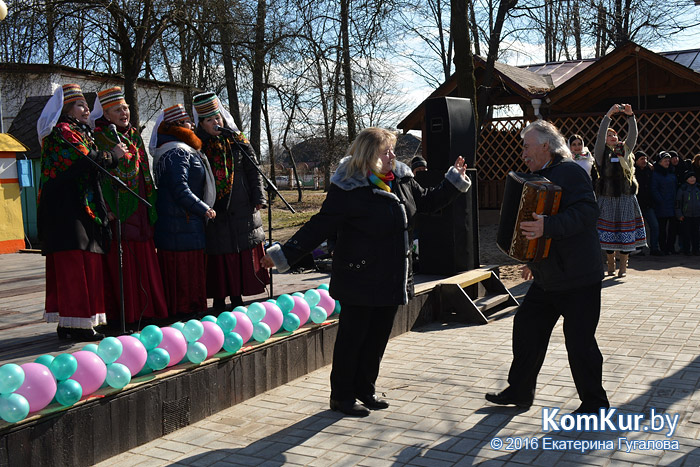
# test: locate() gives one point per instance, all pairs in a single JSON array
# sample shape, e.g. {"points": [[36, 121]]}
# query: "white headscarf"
{"points": [[96, 113], [50, 115], [225, 114]]}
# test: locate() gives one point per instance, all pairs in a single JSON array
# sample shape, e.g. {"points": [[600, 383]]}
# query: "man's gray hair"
{"points": [[548, 133]]}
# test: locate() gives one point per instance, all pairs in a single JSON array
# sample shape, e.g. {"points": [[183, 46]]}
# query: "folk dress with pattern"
{"points": [[72, 221], [620, 225], [234, 238], [144, 296]]}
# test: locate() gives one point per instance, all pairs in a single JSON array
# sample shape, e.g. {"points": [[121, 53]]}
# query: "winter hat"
{"points": [[206, 105], [417, 162], [640, 154], [664, 155], [175, 114], [72, 93], [687, 175]]}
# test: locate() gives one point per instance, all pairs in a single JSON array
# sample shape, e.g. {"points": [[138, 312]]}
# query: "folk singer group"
{"points": [[203, 236], [203, 221]]}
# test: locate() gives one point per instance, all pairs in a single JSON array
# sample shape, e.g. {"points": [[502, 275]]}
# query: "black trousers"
{"points": [[668, 230], [532, 328], [363, 332], [690, 234]]}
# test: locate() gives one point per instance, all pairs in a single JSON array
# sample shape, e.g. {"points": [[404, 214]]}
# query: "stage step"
{"points": [[473, 296]]}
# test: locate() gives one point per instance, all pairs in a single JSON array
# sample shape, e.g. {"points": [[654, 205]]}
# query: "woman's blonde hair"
{"points": [[364, 151]]}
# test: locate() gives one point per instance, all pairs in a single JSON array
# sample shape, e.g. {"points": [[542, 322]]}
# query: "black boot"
{"points": [[219, 305]]}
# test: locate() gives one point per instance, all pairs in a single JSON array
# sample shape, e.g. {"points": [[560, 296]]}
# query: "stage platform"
{"points": [[112, 421]]}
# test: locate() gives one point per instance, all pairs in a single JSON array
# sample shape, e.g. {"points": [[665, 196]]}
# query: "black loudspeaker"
{"points": [[448, 240], [450, 132]]}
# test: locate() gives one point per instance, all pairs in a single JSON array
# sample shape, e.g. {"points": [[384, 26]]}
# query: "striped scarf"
{"points": [[381, 180]]}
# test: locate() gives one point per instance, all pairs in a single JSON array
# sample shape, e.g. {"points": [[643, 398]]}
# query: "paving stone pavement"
{"points": [[436, 378]]}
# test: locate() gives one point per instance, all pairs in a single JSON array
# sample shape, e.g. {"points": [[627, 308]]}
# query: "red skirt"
{"points": [[236, 274], [143, 285], [74, 289], [184, 280]]}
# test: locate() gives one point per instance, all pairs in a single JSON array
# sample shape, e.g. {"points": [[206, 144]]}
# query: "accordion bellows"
{"points": [[523, 195]]}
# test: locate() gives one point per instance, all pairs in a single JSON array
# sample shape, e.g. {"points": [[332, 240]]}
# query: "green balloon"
{"points": [[44, 360], [336, 310], [318, 315], [323, 286], [256, 312], [211, 318], [261, 332], [178, 325], [11, 378], [291, 322], [227, 321], [110, 349], [157, 359], [68, 392], [13, 407], [233, 342], [151, 336], [63, 366], [298, 294], [312, 297], [286, 303], [193, 330], [118, 375], [196, 352], [91, 348], [241, 309]]}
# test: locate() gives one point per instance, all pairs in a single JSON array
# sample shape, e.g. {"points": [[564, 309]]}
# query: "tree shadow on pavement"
{"points": [[662, 394]]}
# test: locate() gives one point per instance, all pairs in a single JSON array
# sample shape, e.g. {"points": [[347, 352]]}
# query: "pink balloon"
{"points": [[91, 372], [273, 316], [39, 386], [133, 354], [326, 302], [244, 326], [213, 338], [301, 309], [175, 343]]}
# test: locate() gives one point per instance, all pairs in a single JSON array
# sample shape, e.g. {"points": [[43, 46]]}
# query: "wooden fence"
{"points": [[500, 145]]}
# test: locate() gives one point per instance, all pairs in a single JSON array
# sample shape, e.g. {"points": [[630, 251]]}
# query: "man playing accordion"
{"points": [[566, 283]]}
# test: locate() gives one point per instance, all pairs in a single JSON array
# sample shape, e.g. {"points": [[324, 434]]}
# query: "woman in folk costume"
{"points": [[620, 225], [235, 236], [72, 215], [143, 285], [186, 193]]}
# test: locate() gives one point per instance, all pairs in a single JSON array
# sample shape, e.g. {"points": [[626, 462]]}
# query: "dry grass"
{"points": [[284, 223]]}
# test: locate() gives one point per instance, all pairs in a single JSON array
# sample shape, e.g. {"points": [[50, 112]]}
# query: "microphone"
{"points": [[226, 131], [113, 128]]}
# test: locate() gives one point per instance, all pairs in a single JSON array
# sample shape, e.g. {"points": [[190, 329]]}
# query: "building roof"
{"points": [[575, 85], [9, 143]]}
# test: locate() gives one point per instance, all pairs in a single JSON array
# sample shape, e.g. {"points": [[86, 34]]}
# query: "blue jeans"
{"points": [[652, 227]]}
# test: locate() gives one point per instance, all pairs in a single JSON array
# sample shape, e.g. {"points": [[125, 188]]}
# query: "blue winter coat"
{"points": [[663, 191], [180, 176]]}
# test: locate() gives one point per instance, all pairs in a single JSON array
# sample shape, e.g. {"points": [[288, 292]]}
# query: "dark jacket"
{"points": [[643, 177], [238, 225], [373, 231], [574, 255], [663, 191], [688, 201], [72, 214], [180, 177]]}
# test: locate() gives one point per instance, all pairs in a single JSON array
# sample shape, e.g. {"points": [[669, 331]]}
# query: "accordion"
{"points": [[523, 195]]}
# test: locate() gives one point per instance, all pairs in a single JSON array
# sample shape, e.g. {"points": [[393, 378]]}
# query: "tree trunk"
{"points": [[494, 41], [347, 69], [464, 60], [258, 68], [229, 72]]}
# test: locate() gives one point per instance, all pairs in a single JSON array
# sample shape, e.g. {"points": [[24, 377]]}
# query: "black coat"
{"points": [[574, 255], [237, 225], [373, 232], [643, 177], [63, 222]]}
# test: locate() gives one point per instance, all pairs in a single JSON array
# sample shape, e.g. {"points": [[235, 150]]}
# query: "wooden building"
{"points": [[663, 89]]}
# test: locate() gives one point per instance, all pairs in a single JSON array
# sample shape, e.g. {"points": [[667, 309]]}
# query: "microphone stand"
{"points": [[271, 188], [117, 183]]}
